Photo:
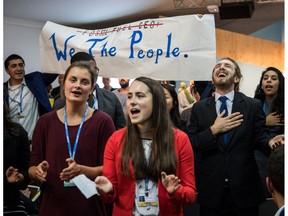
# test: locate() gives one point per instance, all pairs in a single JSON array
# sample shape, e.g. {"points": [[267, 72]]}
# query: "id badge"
{"points": [[19, 116], [69, 184], [150, 200]]}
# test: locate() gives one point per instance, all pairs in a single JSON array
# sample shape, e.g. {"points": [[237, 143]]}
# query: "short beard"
{"points": [[125, 85], [223, 84]]}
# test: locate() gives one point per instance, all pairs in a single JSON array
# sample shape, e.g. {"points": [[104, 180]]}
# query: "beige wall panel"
{"points": [[249, 49]]}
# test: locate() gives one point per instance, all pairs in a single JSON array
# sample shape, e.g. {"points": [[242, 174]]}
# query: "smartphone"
{"points": [[35, 192]]}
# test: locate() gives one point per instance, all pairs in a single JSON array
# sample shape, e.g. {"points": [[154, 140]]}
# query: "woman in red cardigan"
{"points": [[149, 165]]}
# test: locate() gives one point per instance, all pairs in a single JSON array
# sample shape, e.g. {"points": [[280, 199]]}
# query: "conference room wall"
{"points": [[22, 37]]}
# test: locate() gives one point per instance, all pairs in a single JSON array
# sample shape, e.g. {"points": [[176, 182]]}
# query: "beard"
{"points": [[124, 85], [223, 83]]}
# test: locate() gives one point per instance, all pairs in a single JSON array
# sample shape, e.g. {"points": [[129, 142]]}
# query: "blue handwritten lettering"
{"points": [[95, 41], [175, 51], [104, 51], [60, 54], [152, 53], [134, 41]]}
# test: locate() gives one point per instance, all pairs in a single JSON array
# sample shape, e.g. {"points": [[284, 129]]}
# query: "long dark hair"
{"points": [[162, 157], [278, 103]]}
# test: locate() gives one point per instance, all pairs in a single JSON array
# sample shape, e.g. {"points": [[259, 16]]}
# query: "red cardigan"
{"points": [[124, 187]]}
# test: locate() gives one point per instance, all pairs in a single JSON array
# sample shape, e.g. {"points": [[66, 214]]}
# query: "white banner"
{"points": [[175, 48]]}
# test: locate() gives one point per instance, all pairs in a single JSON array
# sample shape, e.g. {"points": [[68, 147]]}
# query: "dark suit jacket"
{"points": [[107, 102], [216, 161], [37, 83]]}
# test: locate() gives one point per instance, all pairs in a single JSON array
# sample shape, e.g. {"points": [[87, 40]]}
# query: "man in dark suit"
{"points": [[26, 94], [275, 178], [101, 99], [226, 173]]}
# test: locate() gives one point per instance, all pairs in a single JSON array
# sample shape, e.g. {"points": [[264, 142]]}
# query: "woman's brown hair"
{"points": [[162, 156]]}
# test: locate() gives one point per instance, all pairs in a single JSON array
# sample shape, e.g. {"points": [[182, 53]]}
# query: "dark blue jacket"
{"points": [[37, 83]]}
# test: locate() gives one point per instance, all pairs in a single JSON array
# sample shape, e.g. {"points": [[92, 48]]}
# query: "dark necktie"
{"points": [[224, 107]]}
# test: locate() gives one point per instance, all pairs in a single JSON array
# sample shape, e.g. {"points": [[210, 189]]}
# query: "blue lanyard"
{"points": [[21, 99], [72, 154], [146, 186]]}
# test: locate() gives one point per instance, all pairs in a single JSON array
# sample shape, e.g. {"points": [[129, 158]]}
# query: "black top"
{"points": [[16, 153]]}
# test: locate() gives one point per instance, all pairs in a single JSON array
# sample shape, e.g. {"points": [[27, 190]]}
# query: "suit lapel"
{"points": [[211, 110], [236, 107], [212, 115]]}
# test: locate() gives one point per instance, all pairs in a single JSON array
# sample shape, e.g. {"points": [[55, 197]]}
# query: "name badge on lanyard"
{"points": [[73, 152], [147, 197], [20, 102]]}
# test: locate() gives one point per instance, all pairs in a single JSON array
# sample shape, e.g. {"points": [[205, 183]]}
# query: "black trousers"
{"points": [[228, 207]]}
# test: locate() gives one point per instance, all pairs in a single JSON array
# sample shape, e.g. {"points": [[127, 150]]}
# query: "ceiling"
{"points": [[97, 14]]}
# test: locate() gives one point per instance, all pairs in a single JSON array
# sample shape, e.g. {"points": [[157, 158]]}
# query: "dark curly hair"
{"points": [[278, 103]]}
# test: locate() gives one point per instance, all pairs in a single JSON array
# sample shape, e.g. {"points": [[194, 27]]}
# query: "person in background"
{"points": [[57, 92], [16, 154], [122, 92], [204, 88], [186, 100], [173, 107], [69, 142], [51, 99], [170, 82], [224, 130], [270, 91], [275, 178], [194, 91], [106, 82], [26, 95], [100, 98], [186, 111], [149, 165]]}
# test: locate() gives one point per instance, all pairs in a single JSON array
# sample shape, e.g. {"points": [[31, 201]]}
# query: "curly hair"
{"points": [[278, 103]]}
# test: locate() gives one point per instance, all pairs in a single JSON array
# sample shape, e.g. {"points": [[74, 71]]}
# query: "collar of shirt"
{"points": [[278, 213], [230, 98], [95, 93], [23, 83], [95, 105]]}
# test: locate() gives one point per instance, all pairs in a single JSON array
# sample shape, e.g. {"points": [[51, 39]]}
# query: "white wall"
{"points": [[22, 37]]}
